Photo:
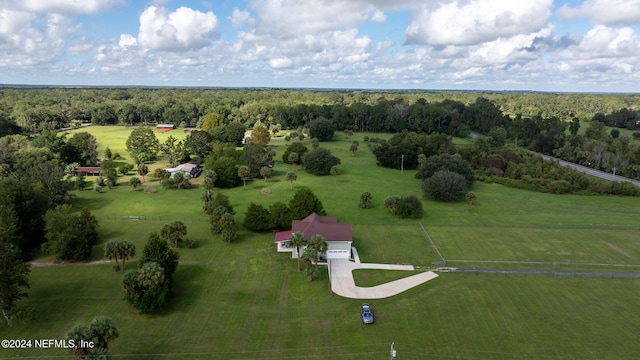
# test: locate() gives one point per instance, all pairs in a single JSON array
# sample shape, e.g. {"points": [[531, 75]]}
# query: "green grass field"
{"points": [[245, 301]]}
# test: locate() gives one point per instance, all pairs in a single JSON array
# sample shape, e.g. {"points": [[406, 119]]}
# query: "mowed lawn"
{"points": [[245, 301]]}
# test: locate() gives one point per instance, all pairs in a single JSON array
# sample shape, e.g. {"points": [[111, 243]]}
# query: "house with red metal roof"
{"points": [[165, 127], [87, 170], [338, 236]]}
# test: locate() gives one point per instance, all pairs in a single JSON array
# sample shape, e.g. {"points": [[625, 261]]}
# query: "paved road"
{"points": [[590, 171]]}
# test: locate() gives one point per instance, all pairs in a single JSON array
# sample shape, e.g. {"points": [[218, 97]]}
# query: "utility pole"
{"points": [[402, 165], [393, 352]]}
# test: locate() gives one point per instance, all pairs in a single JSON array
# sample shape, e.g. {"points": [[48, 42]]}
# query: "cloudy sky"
{"points": [[545, 45]]}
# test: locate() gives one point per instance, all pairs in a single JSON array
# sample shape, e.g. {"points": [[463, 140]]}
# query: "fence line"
{"points": [[545, 226], [433, 245], [149, 218], [544, 263], [556, 273]]}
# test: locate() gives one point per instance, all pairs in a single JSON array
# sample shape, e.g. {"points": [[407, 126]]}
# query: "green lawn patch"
{"points": [[375, 277]]}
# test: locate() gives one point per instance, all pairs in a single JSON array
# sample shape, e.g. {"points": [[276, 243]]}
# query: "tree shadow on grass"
{"points": [[94, 203], [187, 288]]}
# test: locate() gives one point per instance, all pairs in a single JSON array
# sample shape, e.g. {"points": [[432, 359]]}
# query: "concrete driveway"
{"points": [[342, 282]]}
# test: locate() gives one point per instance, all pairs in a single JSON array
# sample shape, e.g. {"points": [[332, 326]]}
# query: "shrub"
{"points": [[148, 288], [445, 186], [322, 128], [304, 203], [257, 218], [453, 163], [559, 187], [280, 216], [409, 207], [623, 188], [319, 161], [297, 148]]}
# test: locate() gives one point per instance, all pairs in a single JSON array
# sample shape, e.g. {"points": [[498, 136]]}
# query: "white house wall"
{"points": [[335, 250], [339, 250]]}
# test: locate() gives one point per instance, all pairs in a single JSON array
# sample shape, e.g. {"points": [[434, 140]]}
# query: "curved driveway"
{"points": [[342, 283]]}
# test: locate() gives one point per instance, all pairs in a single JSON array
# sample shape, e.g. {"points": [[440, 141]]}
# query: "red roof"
{"points": [[87, 169], [326, 226], [283, 235]]}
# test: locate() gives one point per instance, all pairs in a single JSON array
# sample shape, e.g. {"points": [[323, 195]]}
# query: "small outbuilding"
{"points": [[165, 127], [87, 170], [192, 168]]}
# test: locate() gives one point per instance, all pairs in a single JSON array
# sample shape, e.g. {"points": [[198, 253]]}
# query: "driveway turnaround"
{"points": [[342, 282]]}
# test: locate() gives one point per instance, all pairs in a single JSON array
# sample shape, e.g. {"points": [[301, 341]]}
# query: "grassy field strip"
{"points": [[531, 245]]}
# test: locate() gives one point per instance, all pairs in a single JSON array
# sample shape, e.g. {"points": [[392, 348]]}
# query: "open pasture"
{"points": [[115, 137], [245, 301]]}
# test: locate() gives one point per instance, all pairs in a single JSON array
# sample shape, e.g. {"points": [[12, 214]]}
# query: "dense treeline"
{"points": [[35, 109], [622, 118]]}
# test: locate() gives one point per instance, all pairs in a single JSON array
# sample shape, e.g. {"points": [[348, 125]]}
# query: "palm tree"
{"points": [[353, 148], [244, 172], [298, 240], [365, 200], [127, 250], [265, 172], [111, 251], [143, 170], [334, 171], [173, 233], [291, 177], [319, 245], [210, 177], [391, 203], [293, 159], [422, 159], [103, 330], [134, 182], [470, 198], [124, 249], [308, 256]]}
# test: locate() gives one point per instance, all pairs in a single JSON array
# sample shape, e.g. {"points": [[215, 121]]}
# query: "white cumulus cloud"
{"points": [[60, 6], [602, 43], [180, 30], [605, 12], [472, 22], [290, 18], [241, 18]]}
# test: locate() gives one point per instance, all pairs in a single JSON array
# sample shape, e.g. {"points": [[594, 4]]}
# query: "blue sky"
{"points": [[544, 45]]}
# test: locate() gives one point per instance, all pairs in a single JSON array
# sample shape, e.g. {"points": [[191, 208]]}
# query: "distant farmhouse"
{"points": [[192, 168], [165, 127], [338, 236], [87, 170]]}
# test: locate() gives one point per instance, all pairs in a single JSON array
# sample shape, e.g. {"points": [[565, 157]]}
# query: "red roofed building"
{"points": [[165, 127], [88, 170], [338, 235]]}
